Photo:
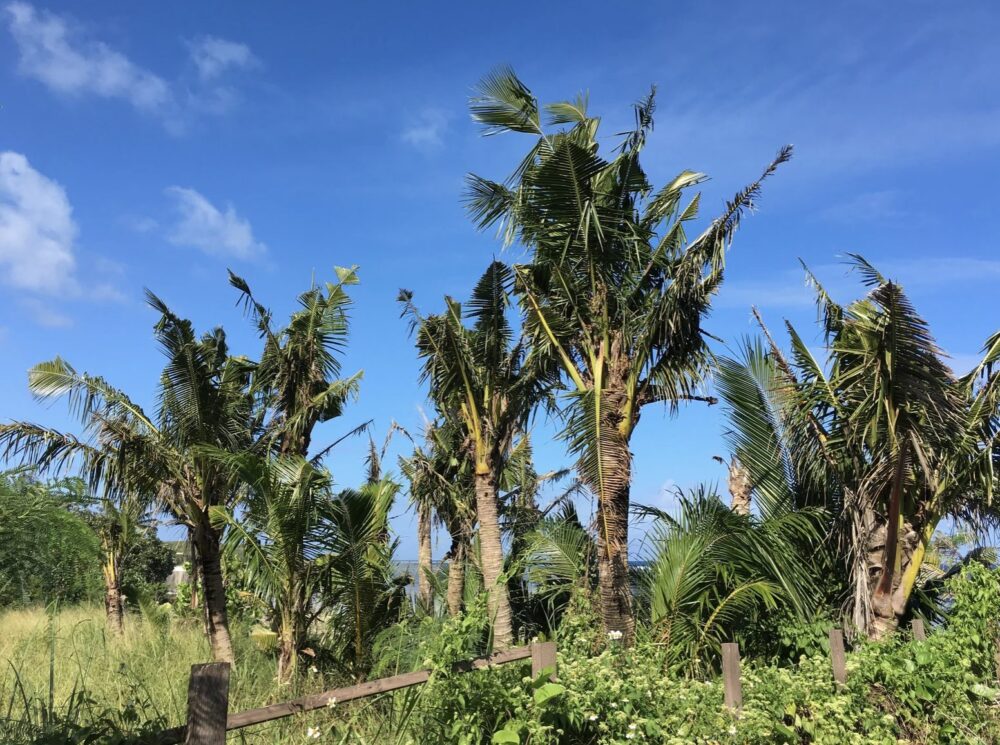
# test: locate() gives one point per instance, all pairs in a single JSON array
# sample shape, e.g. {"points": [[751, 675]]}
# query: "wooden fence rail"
{"points": [[208, 691], [208, 695]]}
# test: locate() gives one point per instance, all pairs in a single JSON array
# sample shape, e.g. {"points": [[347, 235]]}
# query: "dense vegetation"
{"points": [[860, 493]]}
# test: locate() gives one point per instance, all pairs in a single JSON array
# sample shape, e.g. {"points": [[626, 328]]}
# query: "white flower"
{"points": [[732, 730], [614, 705], [313, 670], [629, 736], [614, 635], [632, 726], [313, 733], [593, 717], [331, 703]]}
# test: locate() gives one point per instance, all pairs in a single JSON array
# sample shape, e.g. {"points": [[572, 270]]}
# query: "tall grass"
{"points": [[63, 673]]}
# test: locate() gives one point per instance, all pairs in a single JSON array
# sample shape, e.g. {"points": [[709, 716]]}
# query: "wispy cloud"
{"points": [[56, 51], [202, 225], [44, 313], [426, 131], [37, 230], [214, 56], [788, 289], [870, 206], [53, 54]]}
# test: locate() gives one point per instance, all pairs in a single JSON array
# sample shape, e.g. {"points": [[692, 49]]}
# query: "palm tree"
{"points": [[711, 569], [297, 377], [441, 483], [614, 293], [278, 538], [880, 434], [203, 400], [488, 386], [361, 592]]}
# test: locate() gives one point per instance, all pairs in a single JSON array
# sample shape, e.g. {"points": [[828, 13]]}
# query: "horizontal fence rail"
{"points": [[208, 691], [208, 694]]}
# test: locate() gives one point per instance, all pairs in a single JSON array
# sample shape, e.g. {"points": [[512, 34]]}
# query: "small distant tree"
{"points": [[47, 552]]}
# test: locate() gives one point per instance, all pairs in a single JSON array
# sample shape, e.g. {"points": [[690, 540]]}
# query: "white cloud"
{"points": [[57, 52], [37, 231], [56, 55], [213, 56], [426, 131], [204, 226]]}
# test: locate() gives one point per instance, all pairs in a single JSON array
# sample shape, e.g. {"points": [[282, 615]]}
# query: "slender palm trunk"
{"points": [[612, 526], [739, 487], [424, 566], [291, 636], [210, 566], [194, 579], [456, 573], [113, 605], [491, 555], [887, 613]]}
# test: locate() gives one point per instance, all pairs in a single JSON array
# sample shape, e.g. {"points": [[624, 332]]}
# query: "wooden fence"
{"points": [[208, 690], [208, 695]]}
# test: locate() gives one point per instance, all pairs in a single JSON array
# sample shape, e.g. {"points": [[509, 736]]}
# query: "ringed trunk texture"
{"points": [[612, 524], [888, 605], [113, 605], [739, 487], [491, 550], [456, 575], [290, 639], [216, 618], [424, 565]]}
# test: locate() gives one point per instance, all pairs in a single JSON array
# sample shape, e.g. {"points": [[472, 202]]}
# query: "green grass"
{"points": [[62, 669]]}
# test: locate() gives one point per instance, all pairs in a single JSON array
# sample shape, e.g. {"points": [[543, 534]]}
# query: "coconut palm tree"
{"points": [[297, 377], [361, 592], [880, 434], [203, 400], [484, 382], [441, 480], [279, 539], [710, 569], [614, 291]]}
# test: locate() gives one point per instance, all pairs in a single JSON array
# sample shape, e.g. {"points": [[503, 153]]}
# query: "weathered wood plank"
{"points": [[543, 656], [919, 632], [208, 704], [837, 657], [731, 676]]}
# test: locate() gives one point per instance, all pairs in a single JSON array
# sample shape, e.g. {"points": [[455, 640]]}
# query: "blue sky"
{"points": [[155, 145]]}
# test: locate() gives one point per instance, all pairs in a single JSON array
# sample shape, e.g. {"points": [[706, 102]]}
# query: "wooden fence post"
{"points": [[919, 633], [731, 676], [837, 657], [543, 655], [208, 704]]}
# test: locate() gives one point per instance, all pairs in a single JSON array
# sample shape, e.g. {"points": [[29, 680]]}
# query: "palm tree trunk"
{"points": [[491, 551], [886, 615], [210, 566], [739, 487], [194, 578], [456, 574], [113, 605], [291, 635], [424, 566], [612, 526]]}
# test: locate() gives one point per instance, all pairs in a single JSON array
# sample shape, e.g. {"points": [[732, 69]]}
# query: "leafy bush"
{"points": [[46, 552]]}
